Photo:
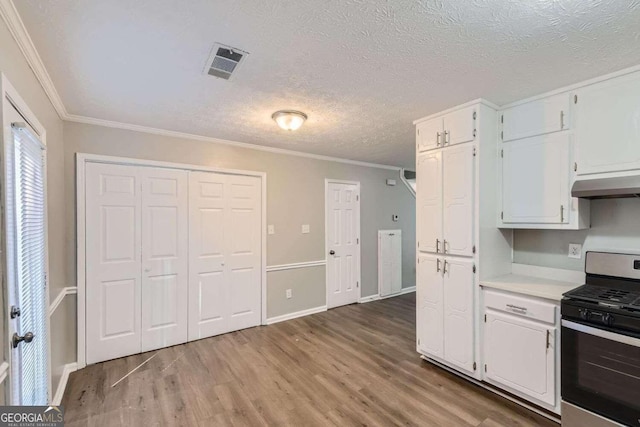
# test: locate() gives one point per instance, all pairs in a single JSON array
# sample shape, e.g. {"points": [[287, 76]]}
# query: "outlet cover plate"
{"points": [[306, 229], [271, 229], [289, 293], [575, 250]]}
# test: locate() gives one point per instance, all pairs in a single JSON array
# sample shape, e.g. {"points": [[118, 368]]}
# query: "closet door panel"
{"points": [[244, 243], [165, 248], [113, 268], [208, 291]]}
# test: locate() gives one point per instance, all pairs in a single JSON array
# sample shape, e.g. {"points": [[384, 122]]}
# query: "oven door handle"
{"points": [[624, 339]]}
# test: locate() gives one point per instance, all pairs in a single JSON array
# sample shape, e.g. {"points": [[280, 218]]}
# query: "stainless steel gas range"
{"points": [[601, 344]]}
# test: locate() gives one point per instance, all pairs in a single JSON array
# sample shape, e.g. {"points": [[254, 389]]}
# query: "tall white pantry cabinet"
{"points": [[458, 243]]}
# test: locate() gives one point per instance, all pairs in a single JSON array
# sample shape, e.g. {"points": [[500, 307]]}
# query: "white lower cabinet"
{"points": [[520, 347], [445, 319]]}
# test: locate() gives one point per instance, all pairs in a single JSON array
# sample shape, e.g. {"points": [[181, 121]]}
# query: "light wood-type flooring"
{"points": [[353, 365]]}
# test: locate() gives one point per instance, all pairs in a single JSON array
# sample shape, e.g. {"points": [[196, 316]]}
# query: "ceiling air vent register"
{"points": [[224, 61]]}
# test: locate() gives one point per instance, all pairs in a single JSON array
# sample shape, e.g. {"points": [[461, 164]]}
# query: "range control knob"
{"points": [[607, 319], [584, 313]]}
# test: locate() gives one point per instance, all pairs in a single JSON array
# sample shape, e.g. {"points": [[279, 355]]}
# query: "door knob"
{"points": [[332, 252], [17, 339]]}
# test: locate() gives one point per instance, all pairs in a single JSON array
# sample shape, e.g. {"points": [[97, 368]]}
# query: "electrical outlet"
{"points": [[575, 250], [271, 229], [289, 294], [305, 228]]}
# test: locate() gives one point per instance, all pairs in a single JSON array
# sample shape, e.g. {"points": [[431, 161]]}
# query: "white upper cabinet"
{"points": [[429, 134], [538, 117], [459, 126], [608, 126], [429, 201], [458, 187], [535, 180]]}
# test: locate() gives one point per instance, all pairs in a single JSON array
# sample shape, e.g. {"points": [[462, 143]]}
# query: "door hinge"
{"points": [[502, 118], [474, 366], [575, 99], [575, 167], [474, 269]]}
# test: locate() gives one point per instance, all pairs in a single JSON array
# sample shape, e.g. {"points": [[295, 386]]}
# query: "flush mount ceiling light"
{"points": [[289, 119]]}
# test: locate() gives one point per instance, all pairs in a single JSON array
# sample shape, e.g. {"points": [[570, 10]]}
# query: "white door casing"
{"points": [[113, 280], [224, 240], [429, 201], [342, 219], [165, 257], [430, 302], [389, 262], [459, 313], [458, 200]]}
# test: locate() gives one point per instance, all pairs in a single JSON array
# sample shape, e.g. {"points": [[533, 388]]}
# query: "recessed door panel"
{"points": [[458, 200], [429, 297], [429, 202], [113, 266], [458, 313]]}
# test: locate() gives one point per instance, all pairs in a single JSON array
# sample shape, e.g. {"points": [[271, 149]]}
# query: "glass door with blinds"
{"points": [[26, 258]]}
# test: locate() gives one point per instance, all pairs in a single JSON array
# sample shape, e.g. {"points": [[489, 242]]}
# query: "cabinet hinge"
{"points": [[474, 366], [418, 243], [502, 118], [418, 132], [485, 367], [575, 167], [485, 318], [502, 135], [474, 115], [575, 99], [473, 249], [357, 284], [474, 269], [502, 153], [418, 341], [474, 148], [418, 261], [357, 198], [474, 133], [357, 241], [502, 215], [561, 213]]}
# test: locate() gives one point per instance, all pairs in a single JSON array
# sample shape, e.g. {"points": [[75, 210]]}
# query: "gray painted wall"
{"points": [[18, 72], [295, 196], [615, 226]]}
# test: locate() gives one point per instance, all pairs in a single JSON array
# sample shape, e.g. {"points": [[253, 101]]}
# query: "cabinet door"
{"points": [[429, 201], [535, 180], [458, 313], [459, 126], [429, 301], [520, 354], [429, 134], [458, 172], [607, 126], [536, 118]]}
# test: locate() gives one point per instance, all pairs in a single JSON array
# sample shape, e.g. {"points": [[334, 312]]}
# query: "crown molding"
{"points": [[19, 32], [175, 134]]}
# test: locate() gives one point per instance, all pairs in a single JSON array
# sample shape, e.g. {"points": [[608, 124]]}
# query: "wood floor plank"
{"points": [[353, 365]]}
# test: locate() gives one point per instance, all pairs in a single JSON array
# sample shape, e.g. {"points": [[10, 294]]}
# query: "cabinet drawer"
{"points": [[536, 118], [522, 306]]}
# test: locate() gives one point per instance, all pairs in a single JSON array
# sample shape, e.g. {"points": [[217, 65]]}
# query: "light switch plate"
{"points": [[271, 229], [305, 228], [575, 250], [288, 293]]}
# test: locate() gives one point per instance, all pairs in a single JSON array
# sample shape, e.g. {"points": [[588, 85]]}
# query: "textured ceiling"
{"points": [[361, 69]]}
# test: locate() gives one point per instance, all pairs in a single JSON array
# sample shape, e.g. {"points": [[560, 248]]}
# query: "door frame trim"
{"points": [[81, 161], [328, 181]]}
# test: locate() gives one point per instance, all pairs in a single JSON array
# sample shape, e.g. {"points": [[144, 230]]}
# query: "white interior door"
{"points": [[389, 262], [225, 253], [429, 201], [343, 243], [430, 302], [520, 354], [26, 262], [165, 258], [113, 267], [457, 165], [458, 313]]}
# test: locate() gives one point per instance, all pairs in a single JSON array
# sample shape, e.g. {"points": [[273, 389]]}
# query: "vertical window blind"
{"points": [[29, 245]]}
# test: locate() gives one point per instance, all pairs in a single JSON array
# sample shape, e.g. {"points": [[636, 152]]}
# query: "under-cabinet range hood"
{"points": [[609, 187]]}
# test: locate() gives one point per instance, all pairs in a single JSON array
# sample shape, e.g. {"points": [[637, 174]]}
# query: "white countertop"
{"points": [[530, 285]]}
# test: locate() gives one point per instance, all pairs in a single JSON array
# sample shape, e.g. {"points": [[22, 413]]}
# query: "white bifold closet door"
{"points": [[225, 253], [136, 259]]}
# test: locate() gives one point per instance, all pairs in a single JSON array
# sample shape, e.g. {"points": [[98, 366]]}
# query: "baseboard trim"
{"points": [[69, 290], [377, 297], [66, 371], [301, 313]]}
